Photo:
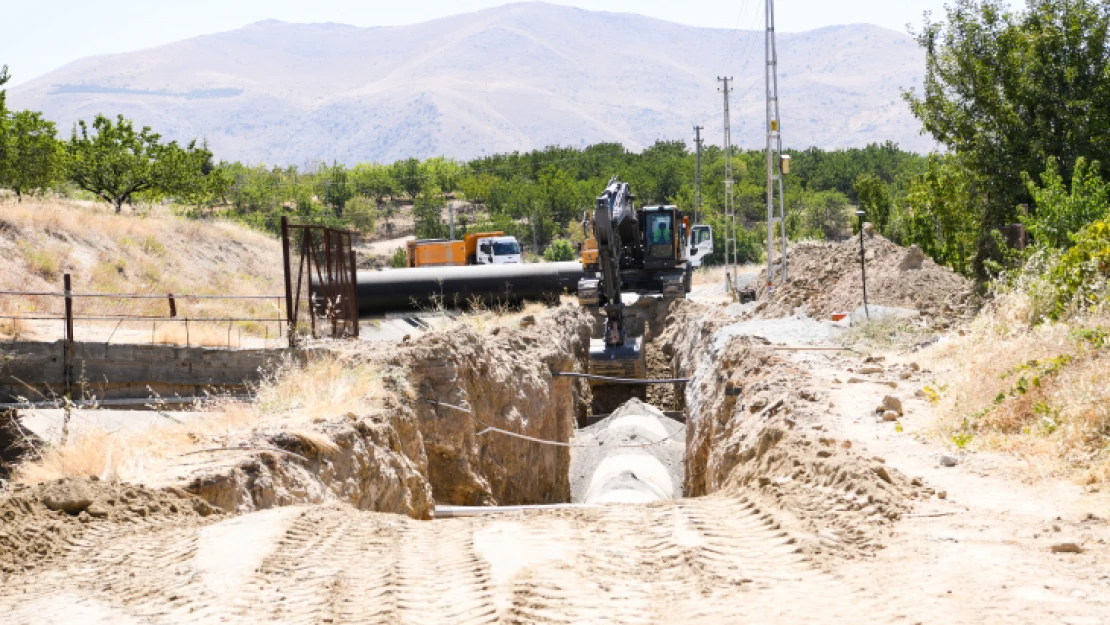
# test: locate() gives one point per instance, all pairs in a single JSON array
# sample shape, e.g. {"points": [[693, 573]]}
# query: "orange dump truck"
{"points": [[481, 248]]}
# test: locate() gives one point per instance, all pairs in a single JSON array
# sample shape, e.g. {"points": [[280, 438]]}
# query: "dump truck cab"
{"points": [[480, 248], [497, 250]]}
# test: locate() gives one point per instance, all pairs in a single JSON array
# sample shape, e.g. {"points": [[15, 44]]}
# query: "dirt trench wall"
{"points": [[505, 379], [373, 462], [755, 426]]}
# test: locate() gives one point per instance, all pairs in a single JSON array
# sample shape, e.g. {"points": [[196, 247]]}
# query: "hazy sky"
{"points": [[37, 36]]}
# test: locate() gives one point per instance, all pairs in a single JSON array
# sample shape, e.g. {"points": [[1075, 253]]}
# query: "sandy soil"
{"points": [[981, 542]]}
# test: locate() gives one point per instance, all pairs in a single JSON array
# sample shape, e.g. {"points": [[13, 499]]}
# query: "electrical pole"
{"points": [[730, 213], [697, 173], [774, 151]]}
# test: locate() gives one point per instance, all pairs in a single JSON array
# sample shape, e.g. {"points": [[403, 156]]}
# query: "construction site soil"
{"points": [[825, 278], [801, 499]]}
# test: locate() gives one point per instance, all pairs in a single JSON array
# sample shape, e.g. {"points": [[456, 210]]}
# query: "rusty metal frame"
{"points": [[325, 285]]}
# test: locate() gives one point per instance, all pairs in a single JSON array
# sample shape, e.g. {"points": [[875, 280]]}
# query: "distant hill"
{"points": [[516, 77]]}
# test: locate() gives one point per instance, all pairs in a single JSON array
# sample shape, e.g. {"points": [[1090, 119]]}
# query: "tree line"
{"points": [[111, 160]]}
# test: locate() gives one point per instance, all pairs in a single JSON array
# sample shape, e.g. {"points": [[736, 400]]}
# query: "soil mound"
{"points": [[39, 522], [825, 279]]}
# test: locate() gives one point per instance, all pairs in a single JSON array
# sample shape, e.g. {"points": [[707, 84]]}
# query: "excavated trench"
{"points": [[469, 410], [681, 522], [466, 411]]}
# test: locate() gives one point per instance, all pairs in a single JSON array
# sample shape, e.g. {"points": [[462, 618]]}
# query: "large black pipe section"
{"points": [[424, 288]]}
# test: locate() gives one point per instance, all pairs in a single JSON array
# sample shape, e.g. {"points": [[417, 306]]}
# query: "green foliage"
{"points": [[1082, 277], [409, 176], [939, 214], [1061, 213], [33, 157], [362, 214], [333, 189], [874, 199], [373, 181], [1061, 284], [4, 78], [115, 163], [399, 259], [560, 250], [1005, 91], [427, 213]]}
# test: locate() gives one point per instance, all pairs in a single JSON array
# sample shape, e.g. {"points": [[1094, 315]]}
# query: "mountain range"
{"points": [[516, 77]]}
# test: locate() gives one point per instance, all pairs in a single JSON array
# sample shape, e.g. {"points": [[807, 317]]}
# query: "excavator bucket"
{"points": [[624, 361]]}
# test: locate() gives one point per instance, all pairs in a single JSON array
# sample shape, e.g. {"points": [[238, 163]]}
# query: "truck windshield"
{"points": [[504, 248]]}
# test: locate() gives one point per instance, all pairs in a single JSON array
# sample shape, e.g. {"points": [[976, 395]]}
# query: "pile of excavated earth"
{"points": [[826, 278]]}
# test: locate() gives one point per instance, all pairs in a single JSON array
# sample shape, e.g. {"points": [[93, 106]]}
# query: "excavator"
{"points": [[650, 250]]}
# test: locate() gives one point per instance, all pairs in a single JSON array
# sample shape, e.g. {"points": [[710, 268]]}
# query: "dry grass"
{"points": [[152, 254], [292, 398], [196, 335], [1039, 392], [716, 274], [484, 319]]}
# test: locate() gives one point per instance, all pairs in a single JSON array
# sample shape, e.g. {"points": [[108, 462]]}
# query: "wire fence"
{"points": [[180, 323]]}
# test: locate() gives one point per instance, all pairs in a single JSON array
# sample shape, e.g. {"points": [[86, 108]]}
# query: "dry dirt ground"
{"points": [[982, 541], [982, 554]]}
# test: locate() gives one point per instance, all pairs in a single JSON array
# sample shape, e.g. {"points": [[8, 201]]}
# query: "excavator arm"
{"points": [[615, 355]]}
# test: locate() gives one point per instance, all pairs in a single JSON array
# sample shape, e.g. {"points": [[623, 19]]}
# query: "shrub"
{"points": [[560, 250], [400, 259], [1062, 283]]}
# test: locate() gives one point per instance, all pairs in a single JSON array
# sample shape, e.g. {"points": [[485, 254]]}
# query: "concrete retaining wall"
{"points": [[121, 371]]}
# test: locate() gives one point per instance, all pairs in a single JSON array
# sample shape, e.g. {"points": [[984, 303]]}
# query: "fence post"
{"points": [[288, 280], [352, 298], [67, 354]]}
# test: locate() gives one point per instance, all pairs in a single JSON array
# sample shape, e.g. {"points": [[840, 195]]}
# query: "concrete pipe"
{"points": [[396, 290]]}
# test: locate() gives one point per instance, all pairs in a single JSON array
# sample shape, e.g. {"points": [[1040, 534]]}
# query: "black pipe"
{"points": [[426, 288]]}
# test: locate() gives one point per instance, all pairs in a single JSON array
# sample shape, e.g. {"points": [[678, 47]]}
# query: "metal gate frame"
{"points": [[326, 281]]}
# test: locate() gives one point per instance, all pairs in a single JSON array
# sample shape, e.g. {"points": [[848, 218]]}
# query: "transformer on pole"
{"points": [[777, 164]]}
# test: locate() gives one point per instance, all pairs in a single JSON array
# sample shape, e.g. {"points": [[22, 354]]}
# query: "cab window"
{"points": [[659, 229]]}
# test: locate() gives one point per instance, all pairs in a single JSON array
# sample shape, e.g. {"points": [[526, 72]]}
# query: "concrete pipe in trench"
{"points": [[616, 464]]}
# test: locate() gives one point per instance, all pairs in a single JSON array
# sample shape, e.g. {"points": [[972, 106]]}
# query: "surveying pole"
{"points": [[697, 173], [730, 209], [777, 164]]}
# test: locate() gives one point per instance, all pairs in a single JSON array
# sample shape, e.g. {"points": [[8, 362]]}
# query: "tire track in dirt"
{"points": [[706, 560]]}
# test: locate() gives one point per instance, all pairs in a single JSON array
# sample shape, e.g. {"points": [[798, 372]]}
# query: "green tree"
{"points": [[940, 214], [874, 199], [373, 181], [115, 163], [1060, 213], [1006, 90], [33, 155], [362, 213], [332, 187], [427, 212], [4, 77], [409, 176]]}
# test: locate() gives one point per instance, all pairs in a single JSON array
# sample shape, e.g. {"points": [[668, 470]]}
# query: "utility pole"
{"points": [[697, 173], [730, 212], [775, 164]]}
